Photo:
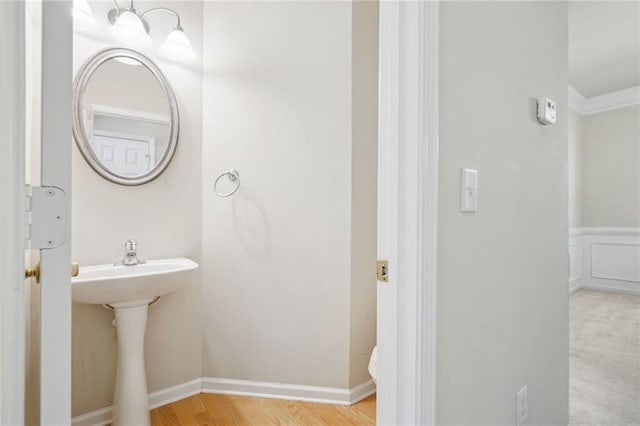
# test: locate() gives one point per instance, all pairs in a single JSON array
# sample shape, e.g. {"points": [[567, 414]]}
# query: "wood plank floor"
{"points": [[209, 409]]}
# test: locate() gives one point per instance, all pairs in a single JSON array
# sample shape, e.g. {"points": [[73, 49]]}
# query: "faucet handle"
{"points": [[130, 246]]}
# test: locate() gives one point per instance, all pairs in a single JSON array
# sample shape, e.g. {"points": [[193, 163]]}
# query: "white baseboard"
{"points": [[324, 395], [362, 391], [162, 397], [99, 417], [175, 393], [249, 388], [574, 286], [614, 287]]}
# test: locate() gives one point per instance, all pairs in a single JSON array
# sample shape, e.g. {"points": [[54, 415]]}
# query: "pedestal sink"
{"points": [[129, 290]]}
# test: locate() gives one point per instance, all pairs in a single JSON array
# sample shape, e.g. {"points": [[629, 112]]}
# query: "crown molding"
{"points": [[576, 100], [607, 102]]}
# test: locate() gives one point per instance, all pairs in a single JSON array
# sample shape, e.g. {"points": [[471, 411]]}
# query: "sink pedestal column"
{"points": [[130, 401]]}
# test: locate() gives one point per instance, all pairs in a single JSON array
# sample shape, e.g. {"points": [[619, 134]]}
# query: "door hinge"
{"points": [[382, 270], [46, 217]]}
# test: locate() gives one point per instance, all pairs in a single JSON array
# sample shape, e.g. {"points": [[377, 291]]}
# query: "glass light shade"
{"points": [[128, 29], [82, 12], [178, 47]]}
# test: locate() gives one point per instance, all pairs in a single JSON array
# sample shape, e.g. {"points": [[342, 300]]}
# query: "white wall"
{"points": [[364, 189], [113, 77], [604, 192], [502, 295], [282, 287], [611, 168], [164, 216]]}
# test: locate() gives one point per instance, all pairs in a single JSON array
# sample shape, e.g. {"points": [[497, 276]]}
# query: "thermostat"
{"points": [[546, 111]]}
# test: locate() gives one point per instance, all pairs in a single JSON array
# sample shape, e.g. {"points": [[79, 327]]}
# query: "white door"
{"points": [[55, 303], [124, 155], [55, 282], [407, 212]]}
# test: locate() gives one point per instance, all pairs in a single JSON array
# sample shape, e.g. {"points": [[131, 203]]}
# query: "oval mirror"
{"points": [[125, 116]]}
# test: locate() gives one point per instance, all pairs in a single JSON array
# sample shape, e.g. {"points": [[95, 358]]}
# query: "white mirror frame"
{"points": [[79, 132]]}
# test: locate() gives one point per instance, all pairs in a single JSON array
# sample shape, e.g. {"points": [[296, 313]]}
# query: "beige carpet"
{"points": [[604, 378]]}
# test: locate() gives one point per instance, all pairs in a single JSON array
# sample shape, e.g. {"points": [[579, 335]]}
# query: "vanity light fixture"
{"points": [[130, 27]]}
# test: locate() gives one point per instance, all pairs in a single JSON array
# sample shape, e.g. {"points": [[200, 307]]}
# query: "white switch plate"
{"points": [[522, 406], [469, 191]]}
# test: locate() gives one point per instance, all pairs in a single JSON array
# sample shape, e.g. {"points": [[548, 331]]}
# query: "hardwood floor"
{"points": [[209, 409]]}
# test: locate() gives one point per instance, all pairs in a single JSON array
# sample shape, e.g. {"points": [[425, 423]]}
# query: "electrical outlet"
{"points": [[522, 406]]}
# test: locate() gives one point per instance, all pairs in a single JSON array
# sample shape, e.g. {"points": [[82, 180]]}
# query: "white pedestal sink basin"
{"points": [[129, 290]]}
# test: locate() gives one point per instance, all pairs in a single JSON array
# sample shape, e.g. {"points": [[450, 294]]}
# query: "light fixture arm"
{"points": [[142, 15], [162, 9], [130, 27], [118, 6]]}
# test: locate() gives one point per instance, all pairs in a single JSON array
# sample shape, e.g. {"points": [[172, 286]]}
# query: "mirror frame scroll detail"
{"points": [[79, 132]]}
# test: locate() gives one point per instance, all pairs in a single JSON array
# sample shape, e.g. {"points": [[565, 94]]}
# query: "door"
{"points": [[123, 154], [55, 282], [55, 30], [407, 212]]}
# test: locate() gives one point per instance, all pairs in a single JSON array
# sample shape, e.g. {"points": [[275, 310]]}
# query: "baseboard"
{"points": [[162, 397], [99, 417], [615, 287], [574, 286], [320, 394], [175, 393], [325, 395], [363, 391]]}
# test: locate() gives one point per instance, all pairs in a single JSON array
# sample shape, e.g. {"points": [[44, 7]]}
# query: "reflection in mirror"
{"points": [[125, 118]]}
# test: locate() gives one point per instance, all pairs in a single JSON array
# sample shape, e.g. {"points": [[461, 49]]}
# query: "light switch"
{"points": [[469, 191]]}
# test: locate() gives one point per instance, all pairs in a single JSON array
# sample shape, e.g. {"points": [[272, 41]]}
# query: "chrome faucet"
{"points": [[130, 254]]}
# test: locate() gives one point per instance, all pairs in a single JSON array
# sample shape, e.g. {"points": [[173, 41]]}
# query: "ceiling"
{"points": [[604, 46]]}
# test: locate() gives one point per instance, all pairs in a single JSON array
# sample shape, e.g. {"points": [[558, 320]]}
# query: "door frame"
{"points": [[408, 212], [12, 214]]}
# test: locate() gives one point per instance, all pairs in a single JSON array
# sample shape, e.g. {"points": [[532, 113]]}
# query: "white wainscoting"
{"points": [[605, 259], [325, 395]]}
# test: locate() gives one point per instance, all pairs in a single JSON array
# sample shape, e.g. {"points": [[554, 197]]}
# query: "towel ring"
{"points": [[233, 176]]}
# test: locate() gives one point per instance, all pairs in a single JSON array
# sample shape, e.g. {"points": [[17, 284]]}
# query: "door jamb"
{"points": [[12, 215], [408, 212]]}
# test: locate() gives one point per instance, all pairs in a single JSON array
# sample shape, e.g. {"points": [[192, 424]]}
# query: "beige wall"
{"points": [[289, 294], [611, 168], [280, 282], [502, 290], [164, 216], [364, 188], [113, 77], [575, 168]]}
